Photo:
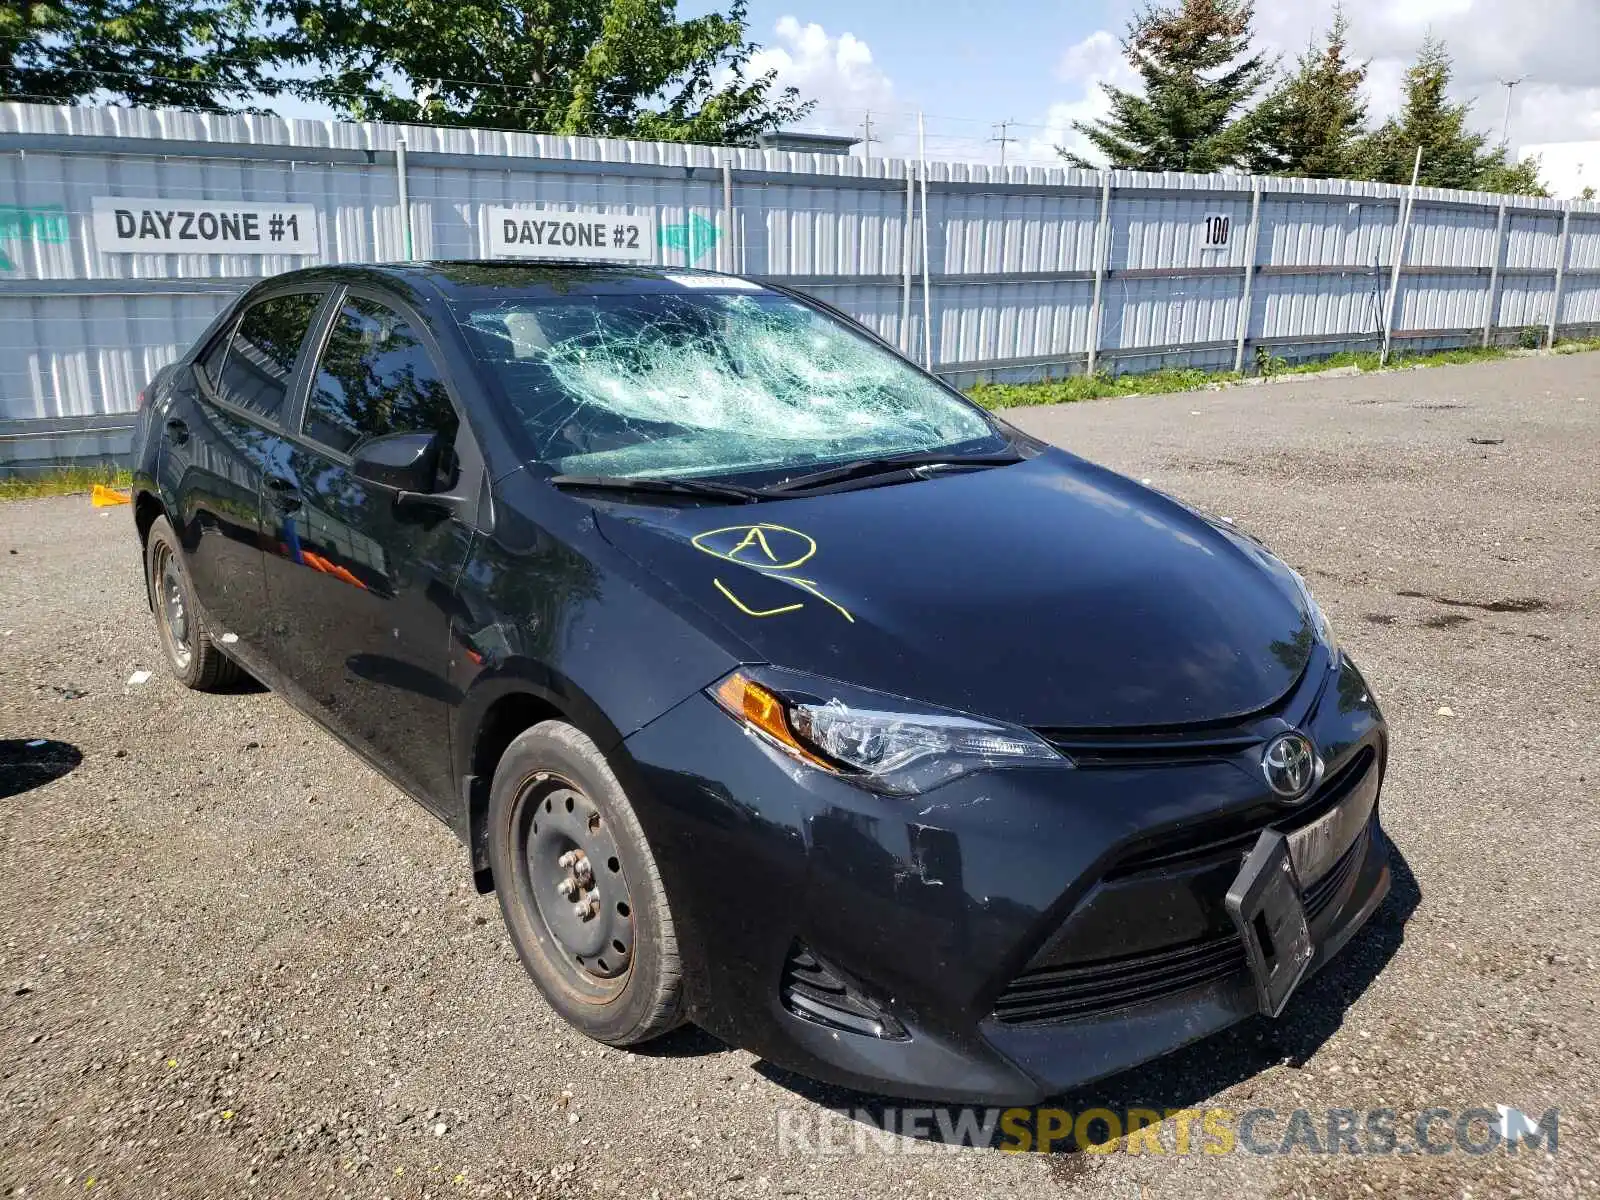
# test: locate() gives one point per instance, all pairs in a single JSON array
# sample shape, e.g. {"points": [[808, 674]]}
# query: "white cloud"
{"points": [[838, 72], [1551, 42], [1094, 61]]}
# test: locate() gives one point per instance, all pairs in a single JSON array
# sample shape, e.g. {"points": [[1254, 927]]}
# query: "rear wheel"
{"points": [[579, 888], [191, 655]]}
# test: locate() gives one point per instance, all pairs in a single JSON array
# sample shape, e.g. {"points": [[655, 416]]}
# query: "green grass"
{"points": [[1173, 379], [1092, 387], [64, 481]]}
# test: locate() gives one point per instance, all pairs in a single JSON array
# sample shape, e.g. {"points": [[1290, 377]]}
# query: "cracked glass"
{"points": [[702, 384]]}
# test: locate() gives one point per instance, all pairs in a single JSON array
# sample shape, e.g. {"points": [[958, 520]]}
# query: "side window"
{"points": [[255, 372], [375, 378], [211, 361]]}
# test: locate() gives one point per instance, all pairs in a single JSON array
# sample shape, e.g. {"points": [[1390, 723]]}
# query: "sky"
{"points": [[1039, 63], [969, 65]]}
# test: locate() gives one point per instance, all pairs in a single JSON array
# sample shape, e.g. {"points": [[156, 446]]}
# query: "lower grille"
{"points": [[1050, 994], [815, 991]]}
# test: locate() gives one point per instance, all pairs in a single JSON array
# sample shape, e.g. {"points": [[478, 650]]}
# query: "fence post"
{"points": [[1102, 251], [405, 199], [1406, 206], [906, 259], [1561, 276], [927, 294], [1252, 243], [1489, 312], [725, 246]]}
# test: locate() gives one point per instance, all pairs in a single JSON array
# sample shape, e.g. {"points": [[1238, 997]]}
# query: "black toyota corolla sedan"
{"points": [[769, 683]]}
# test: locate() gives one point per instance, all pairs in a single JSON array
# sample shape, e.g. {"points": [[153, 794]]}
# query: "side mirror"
{"points": [[407, 462]]}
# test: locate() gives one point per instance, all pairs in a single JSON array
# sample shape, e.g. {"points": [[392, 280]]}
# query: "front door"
{"points": [[360, 590]]}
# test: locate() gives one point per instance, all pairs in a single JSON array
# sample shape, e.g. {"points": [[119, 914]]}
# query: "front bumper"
{"points": [[1019, 932]]}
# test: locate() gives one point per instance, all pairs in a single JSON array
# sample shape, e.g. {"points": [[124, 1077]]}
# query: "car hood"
{"points": [[1048, 593]]}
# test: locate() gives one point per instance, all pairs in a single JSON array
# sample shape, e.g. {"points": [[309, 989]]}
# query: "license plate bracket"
{"points": [[1264, 902]]}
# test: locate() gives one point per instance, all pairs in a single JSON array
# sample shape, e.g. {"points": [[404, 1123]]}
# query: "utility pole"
{"points": [[1505, 126], [866, 134], [1000, 136]]}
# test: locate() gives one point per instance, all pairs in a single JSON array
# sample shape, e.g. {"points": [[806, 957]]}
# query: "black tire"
{"points": [[192, 657], [553, 789]]}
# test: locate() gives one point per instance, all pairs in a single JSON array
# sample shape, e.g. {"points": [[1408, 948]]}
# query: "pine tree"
{"points": [[1453, 156], [1312, 122], [1199, 75]]}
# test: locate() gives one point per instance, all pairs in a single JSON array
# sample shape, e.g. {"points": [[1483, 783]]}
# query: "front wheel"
{"points": [[579, 888]]}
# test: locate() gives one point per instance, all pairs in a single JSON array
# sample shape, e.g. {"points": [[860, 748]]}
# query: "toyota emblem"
{"points": [[1291, 766]]}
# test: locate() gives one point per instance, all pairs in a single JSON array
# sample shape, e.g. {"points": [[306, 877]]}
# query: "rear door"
{"points": [[360, 589], [220, 425]]}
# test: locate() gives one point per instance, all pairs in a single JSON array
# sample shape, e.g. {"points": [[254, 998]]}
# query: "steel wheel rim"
{"points": [[571, 874], [177, 622]]}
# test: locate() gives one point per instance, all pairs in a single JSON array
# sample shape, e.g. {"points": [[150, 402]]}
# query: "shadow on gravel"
{"points": [[34, 762], [687, 1041], [1189, 1077]]}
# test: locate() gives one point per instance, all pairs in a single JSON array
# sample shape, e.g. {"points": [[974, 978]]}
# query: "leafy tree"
{"points": [[1199, 75], [1453, 156], [607, 68], [1511, 178], [182, 53], [1313, 120]]}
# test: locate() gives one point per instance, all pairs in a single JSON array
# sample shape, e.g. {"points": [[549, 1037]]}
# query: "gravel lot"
{"points": [[235, 961]]}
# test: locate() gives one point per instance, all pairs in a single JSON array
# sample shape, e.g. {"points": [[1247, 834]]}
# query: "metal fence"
{"points": [[1013, 273]]}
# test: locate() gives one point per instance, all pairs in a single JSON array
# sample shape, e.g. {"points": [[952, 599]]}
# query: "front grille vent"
{"points": [[815, 991], [1233, 835]]}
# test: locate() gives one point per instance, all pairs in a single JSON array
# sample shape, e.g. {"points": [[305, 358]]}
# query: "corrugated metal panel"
{"points": [[1440, 302], [1170, 312], [1345, 233], [1525, 302], [1531, 241], [64, 356], [1580, 302], [837, 224], [1452, 237], [1583, 251], [1313, 306]]}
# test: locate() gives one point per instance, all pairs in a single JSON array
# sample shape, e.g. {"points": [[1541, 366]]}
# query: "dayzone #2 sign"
{"points": [[540, 233], [127, 226]]}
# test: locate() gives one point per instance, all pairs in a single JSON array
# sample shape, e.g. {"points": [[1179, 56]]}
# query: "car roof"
{"points": [[493, 279]]}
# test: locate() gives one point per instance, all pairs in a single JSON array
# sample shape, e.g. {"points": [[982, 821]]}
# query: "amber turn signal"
{"points": [[761, 709]]}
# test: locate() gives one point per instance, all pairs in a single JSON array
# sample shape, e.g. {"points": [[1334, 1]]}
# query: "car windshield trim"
{"points": [[702, 488], [871, 468], [704, 383]]}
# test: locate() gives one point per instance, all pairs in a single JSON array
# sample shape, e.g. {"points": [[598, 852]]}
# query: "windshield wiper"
{"points": [[866, 468], [704, 488]]}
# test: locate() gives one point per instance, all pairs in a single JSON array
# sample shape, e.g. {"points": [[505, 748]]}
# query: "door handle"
{"points": [[285, 496], [177, 431]]}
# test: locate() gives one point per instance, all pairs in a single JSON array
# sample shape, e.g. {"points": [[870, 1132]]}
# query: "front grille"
{"points": [[814, 990], [1049, 994], [1150, 747], [1235, 833]]}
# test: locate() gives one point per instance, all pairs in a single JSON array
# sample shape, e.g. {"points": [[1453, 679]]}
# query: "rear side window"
{"points": [[260, 361], [211, 362], [375, 378]]}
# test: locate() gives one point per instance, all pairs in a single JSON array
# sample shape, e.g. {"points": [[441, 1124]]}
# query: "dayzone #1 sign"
{"points": [[540, 233], [127, 226]]}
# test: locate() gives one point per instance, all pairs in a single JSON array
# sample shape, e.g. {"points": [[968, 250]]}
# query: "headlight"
{"points": [[1319, 619], [883, 742]]}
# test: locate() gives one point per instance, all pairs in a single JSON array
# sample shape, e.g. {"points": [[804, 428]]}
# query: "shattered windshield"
{"points": [[701, 384]]}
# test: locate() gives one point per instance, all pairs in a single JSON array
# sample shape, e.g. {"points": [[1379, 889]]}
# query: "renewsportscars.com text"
{"points": [[1261, 1131]]}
